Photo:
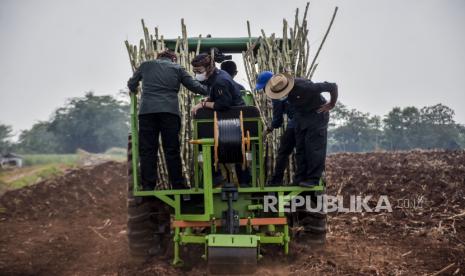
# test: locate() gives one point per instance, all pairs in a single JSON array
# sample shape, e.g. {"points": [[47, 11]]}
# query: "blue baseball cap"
{"points": [[262, 79]]}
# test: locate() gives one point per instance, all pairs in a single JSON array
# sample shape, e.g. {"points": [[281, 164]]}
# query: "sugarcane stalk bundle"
{"points": [[148, 49], [290, 53]]}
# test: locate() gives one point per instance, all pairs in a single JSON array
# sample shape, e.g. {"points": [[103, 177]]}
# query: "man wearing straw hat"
{"points": [[311, 121]]}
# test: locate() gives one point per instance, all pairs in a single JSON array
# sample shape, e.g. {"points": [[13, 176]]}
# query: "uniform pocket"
{"points": [[318, 138]]}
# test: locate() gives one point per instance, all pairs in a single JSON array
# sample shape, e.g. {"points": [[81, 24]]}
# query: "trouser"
{"points": [[286, 147], [243, 176], [151, 126], [311, 138]]}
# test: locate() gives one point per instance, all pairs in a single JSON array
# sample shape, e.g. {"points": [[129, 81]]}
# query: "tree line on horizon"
{"points": [[97, 123], [92, 123], [429, 127]]}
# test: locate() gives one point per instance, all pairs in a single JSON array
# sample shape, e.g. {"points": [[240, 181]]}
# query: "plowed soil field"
{"points": [[76, 224]]}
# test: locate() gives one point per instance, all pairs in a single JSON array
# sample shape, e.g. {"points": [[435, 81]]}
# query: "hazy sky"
{"points": [[381, 53]]}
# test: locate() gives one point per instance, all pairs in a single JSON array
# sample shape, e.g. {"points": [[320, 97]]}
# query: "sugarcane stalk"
{"points": [[313, 71], [323, 41], [197, 51]]}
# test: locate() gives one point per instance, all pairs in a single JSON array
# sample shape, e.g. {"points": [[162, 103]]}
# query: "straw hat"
{"points": [[279, 86]]}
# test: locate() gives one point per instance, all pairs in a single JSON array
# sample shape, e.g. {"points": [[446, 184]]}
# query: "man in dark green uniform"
{"points": [[159, 114], [311, 122]]}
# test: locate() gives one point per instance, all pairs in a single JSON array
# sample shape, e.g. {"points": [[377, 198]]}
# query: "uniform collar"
{"points": [[213, 77]]}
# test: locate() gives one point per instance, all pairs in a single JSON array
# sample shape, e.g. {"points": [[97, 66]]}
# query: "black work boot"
{"points": [[309, 183], [273, 183], [218, 179], [182, 185], [179, 184], [147, 185]]}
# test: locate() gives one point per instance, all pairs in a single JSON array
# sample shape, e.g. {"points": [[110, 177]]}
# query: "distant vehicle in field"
{"points": [[10, 160]]}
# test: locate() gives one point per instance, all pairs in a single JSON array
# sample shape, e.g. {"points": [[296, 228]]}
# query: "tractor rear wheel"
{"points": [[148, 220], [314, 227], [311, 223]]}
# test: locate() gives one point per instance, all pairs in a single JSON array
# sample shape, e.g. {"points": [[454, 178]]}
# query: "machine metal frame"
{"points": [[255, 227]]}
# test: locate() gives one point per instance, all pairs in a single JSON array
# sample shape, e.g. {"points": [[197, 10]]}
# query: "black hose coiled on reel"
{"points": [[229, 141]]}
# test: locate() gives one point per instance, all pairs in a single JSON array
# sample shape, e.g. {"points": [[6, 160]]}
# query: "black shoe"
{"points": [[182, 186], [147, 188], [273, 183], [245, 185], [309, 183], [218, 180], [295, 182]]}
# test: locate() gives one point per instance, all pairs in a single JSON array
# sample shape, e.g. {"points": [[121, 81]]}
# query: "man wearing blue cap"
{"points": [[311, 119], [287, 142]]}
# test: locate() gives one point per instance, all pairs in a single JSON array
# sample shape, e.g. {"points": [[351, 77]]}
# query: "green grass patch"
{"points": [[37, 167], [18, 178], [116, 154], [44, 173], [41, 159]]}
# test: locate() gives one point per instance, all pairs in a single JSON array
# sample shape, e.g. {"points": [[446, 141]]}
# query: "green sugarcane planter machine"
{"points": [[229, 221]]}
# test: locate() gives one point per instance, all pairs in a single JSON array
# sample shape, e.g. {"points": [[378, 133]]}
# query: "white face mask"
{"points": [[201, 77]]}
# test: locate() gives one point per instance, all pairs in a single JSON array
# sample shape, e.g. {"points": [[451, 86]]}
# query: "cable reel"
{"points": [[231, 141]]}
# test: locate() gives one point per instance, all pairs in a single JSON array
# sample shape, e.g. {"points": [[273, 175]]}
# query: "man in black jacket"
{"points": [[159, 114], [311, 122], [223, 91], [231, 68], [224, 94]]}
